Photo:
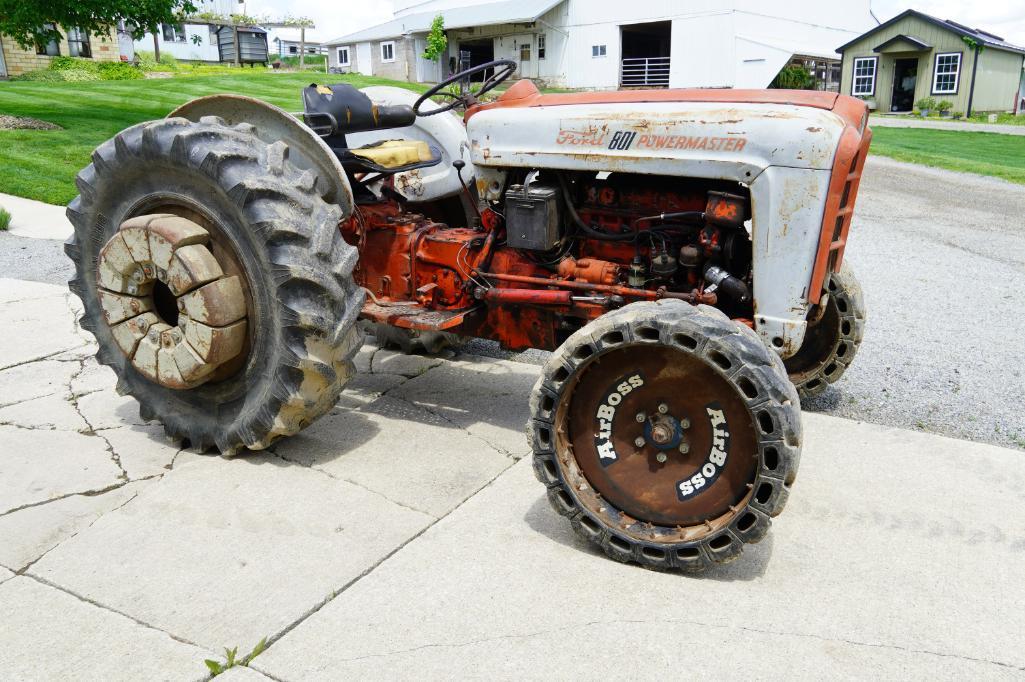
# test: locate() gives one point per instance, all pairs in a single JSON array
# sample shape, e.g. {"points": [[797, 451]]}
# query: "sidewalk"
{"points": [[891, 122], [403, 535], [30, 218]]}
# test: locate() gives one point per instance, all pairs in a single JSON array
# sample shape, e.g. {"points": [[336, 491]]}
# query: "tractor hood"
{"points": [[727, 134]]}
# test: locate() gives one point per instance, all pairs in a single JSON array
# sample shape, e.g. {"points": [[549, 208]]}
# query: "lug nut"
{"points": [[684, 448], [661, 457], [640, 417], [663, 408], [639, 441], [684, 423]]}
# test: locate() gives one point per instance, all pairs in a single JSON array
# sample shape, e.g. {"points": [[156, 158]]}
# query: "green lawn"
{"points": [[42, 164], [1001, 156]]}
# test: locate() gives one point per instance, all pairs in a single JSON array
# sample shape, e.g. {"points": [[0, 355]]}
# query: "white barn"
{"points": [[611, 43]]}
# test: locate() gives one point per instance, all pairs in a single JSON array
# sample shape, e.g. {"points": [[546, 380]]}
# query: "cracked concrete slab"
{"points": [[224, 552], [401, 451], [92, 377], [242, 674], [35, 329], [485, 396], [48, 634], [142, 451], [885, 566], [365, 388], [107, 410], [49, 412], [5, 574], [37, 466], [395, 362], [35, 380], [30, 533]]}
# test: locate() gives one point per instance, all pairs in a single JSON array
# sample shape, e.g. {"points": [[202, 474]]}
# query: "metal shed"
{"points": [[252, 41]]}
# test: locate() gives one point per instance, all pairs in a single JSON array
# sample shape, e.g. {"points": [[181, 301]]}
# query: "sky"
{"points": [[1005, 18]]}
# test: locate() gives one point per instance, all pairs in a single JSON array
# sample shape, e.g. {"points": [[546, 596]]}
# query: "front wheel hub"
{"points": [[171, 308]]}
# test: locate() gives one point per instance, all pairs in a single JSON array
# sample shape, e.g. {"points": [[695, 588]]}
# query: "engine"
{"points": [[556, 250]]}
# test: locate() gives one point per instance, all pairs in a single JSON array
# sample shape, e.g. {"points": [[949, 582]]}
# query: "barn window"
{"points": [[292, 49], [946, 73], [864, 82], [541, 44], [173, 33], [388, 51], [78, 43], [343, 56], [525, 53], [599, 50]]}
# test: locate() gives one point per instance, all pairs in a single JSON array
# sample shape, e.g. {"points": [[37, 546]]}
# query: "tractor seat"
{"points": [[333, 111], [341, 109]]}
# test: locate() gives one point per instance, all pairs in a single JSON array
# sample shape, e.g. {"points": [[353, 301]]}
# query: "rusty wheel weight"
{"points": [[171, 308], [668, 434]]}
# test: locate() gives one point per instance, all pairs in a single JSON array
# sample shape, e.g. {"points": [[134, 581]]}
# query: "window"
{"points": [[78, 43], [174, 33], [524, 53], [292, 49], [541, 44], [52, 48], [311, 50], [598, 50], [343, 56], [946, 73], [864, 82], [388, 51]]}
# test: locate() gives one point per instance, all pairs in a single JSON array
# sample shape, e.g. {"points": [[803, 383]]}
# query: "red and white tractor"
{"points": [[680, 252]]}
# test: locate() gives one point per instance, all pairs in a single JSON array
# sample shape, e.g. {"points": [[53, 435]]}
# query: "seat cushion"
{"points": [[395, 153]]}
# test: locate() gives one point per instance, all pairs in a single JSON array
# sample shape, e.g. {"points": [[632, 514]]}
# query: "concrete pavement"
{"points": [[31, 218], [404, 535], [893, 122]]}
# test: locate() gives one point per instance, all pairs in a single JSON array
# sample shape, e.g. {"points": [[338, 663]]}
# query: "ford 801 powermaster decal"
{"points": [[625, 139]]}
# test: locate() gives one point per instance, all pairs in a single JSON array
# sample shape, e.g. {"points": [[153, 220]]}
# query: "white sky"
{"points": [[1005, 18]]}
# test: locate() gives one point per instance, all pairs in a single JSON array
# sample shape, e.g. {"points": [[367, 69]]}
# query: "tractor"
{"points": [[679, 252]]}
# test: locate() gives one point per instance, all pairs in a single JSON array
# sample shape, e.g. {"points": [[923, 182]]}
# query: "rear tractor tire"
{"points": [[215, 280], [667, 434], [834, 334]]}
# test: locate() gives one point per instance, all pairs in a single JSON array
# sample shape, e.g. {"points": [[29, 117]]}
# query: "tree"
{"points": [[27, 22], [437, 41], [793, 77]]}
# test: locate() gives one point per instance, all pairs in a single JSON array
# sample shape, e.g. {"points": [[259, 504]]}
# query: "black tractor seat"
{"points": [[333, 111]]}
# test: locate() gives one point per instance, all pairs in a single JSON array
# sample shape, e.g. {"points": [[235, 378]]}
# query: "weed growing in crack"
{"points": [[231, 658]]}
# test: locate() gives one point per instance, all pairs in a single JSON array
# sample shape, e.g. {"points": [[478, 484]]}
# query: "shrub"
{"points": [[5, 219], [926, 104], [147, 62], [73, 64], [119, 71], [793, 78], [944, 105], [69, 75]]}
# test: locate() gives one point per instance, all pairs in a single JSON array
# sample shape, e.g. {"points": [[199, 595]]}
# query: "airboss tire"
{"points": [[265, 216], [722, 404], [833, 337]]}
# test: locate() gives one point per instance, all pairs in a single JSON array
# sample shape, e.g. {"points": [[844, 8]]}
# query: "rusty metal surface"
{"points": [[179, 338], [636, 481]]}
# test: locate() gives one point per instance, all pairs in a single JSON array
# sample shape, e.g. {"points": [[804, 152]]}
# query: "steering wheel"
{"points": [[503, 69]]}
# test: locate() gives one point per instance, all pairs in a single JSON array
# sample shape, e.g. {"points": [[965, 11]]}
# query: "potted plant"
{"points": [[869, 101], [957, 115], [925, 105], [944, 107]]}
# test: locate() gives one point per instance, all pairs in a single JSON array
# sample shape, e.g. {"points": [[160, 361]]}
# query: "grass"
{"points": [[5, 219], [42, 164], [1001, 156]]}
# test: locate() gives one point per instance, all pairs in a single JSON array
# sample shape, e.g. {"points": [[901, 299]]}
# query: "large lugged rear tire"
{"points": [[833, 336], [265, 223], [667, 434]]}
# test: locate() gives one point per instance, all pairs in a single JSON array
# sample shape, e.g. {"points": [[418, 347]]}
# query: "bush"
{"points": [[69, 75], [147, 62], [926, 104], [119, 71], [5, 219], [944, 105], [793, 78]]}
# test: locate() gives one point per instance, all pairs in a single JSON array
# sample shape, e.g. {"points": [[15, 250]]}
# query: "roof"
{"points": [[978, 35], [504, 12], [921, 45]]}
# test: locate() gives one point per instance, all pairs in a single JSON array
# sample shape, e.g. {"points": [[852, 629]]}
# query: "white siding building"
{"points": [[610, 43]]}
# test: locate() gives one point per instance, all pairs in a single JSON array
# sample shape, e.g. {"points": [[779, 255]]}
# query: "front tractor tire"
{"points": [[215, 280], [667, 434], [834, 334]]}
